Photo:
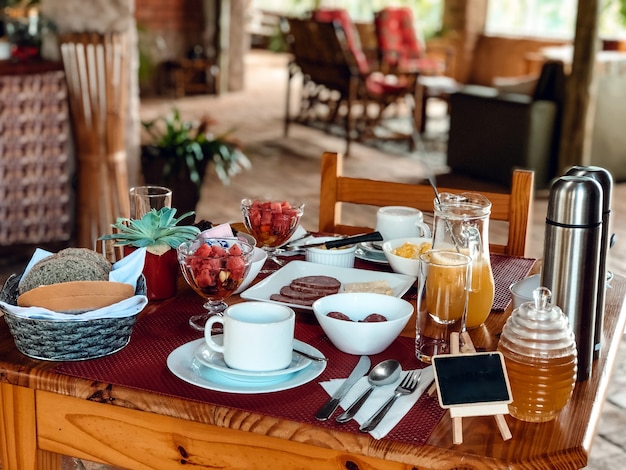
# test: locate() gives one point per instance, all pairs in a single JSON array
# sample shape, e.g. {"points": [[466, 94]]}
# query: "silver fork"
{"points": [[406, 387]]}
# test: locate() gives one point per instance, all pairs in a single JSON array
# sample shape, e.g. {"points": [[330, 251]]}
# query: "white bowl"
{"points": [[362, 338], [401, 264], [247, 238], [522, 291], [258, 260], [342, 256]]}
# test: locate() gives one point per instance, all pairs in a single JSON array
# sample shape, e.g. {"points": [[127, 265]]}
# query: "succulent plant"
{"points": [[157, 231]]}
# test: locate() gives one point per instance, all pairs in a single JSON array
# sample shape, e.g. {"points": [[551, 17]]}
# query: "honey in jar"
{"points": [[540, 356]]}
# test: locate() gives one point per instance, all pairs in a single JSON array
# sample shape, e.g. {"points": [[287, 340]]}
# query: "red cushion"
{"points": [[396, 34]]}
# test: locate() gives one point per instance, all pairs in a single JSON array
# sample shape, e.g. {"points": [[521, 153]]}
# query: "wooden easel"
{"points": [[457, 412]]}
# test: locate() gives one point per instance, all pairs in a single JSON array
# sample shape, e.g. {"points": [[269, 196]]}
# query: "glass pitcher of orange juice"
{"points": [[461, 223]]}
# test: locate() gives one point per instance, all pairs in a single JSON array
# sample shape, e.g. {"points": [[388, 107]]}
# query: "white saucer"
{"points": [[215, 360], [367, 252], [182, 363]]}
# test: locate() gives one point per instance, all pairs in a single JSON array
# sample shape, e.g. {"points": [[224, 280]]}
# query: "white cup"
{"points": [[258, 336], [401, 222]]}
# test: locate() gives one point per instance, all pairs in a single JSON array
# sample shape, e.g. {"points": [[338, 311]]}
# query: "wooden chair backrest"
{"points": [[514, 207], [321, 53]]}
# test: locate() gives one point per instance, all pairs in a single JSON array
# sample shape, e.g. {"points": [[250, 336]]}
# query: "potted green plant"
{"points": [[158, 232], [179, 151]]}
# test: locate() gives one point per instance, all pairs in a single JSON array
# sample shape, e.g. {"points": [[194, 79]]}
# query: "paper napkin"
{"points": [[219, 231], [378, 397]]}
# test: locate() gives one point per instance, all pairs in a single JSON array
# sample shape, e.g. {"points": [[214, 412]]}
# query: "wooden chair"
{"points": [[336, 189], [338, 88]]}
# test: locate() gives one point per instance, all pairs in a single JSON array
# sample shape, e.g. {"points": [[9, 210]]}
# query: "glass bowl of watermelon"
{"points": [[271, 223], [214, 268]]}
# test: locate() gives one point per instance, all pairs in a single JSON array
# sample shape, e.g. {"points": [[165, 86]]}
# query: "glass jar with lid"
{"points": [[540, 355]]}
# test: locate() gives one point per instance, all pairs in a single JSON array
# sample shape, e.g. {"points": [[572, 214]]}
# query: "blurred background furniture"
{"points": [[96, 66], [495, 131], [606, 112], [402, 49], [190, 76], [339, 88], [36, 156], [336, 189]]}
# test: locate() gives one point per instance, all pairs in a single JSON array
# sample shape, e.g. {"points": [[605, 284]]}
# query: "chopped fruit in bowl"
{"points": [[214, 268], [271, 223]]}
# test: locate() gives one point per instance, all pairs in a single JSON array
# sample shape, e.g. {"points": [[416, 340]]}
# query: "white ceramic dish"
{"points": [[522, 290], [179, 362], [400, 283], [215, 360], [361, 337], [401, 264], [342, 257], [367, 252]]}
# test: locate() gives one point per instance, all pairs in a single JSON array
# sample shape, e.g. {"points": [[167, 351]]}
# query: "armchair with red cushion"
{"points": [[327, 53], [400, 50]]}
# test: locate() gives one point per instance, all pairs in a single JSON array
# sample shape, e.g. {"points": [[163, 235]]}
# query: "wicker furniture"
{"points": [[36, 161]]}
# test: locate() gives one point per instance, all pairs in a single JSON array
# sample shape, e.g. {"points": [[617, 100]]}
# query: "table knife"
{"points": [[368, 237], [362, 367]]}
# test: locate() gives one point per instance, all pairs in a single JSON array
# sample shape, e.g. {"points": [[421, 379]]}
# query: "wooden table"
{"points": [[45, 414]]}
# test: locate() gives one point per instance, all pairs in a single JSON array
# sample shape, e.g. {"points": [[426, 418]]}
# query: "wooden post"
{"points": [[576, 129]]}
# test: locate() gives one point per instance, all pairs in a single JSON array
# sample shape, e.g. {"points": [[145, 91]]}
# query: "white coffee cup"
{"points": [[401, 222], [258, 336]]}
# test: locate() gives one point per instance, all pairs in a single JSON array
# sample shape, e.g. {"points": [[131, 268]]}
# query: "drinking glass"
{"points": [[145, 198], [271, 223], [214, 268], [443, 282]]}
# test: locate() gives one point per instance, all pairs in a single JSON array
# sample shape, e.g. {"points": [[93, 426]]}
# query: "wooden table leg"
{"points": [[18, 433]]}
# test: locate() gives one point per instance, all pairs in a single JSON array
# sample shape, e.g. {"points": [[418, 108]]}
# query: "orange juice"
{"points": [[481, 294], [445, 289]]}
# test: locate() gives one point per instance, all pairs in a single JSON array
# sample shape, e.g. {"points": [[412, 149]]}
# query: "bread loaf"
{"points": [[66, 267], [74, 280], [76, 296]]}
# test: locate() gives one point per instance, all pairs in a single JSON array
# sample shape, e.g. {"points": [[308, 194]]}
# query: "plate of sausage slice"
{"points": [[299, 283]]}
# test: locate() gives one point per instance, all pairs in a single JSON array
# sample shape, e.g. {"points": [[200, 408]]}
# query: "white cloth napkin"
{"points": [[126, 270], [378, 397]]}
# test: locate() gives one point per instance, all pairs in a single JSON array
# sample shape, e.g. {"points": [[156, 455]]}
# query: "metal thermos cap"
{"points": [[599, 174], [575, 201]]}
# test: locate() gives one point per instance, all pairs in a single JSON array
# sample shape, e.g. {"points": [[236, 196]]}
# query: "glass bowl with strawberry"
{"points": [[214, 268], [271, 223]]}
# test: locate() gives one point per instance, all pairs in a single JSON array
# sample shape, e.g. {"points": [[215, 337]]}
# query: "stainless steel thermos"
{"points": [[571, 258], [605, 179]]}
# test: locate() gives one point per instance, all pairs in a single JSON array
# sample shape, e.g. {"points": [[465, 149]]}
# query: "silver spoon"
{"points": [[384, 373], [310, 356], [431, 180]]}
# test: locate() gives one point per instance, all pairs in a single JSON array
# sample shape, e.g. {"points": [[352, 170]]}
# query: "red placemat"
{"points": [[142, 365], [506, 271]]}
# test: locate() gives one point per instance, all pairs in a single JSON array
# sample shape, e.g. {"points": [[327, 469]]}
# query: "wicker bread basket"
{"points": [[57, 340]]}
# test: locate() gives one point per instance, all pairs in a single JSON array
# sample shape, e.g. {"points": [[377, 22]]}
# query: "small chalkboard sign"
{"points": [[472, 384], [468, 379]]}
